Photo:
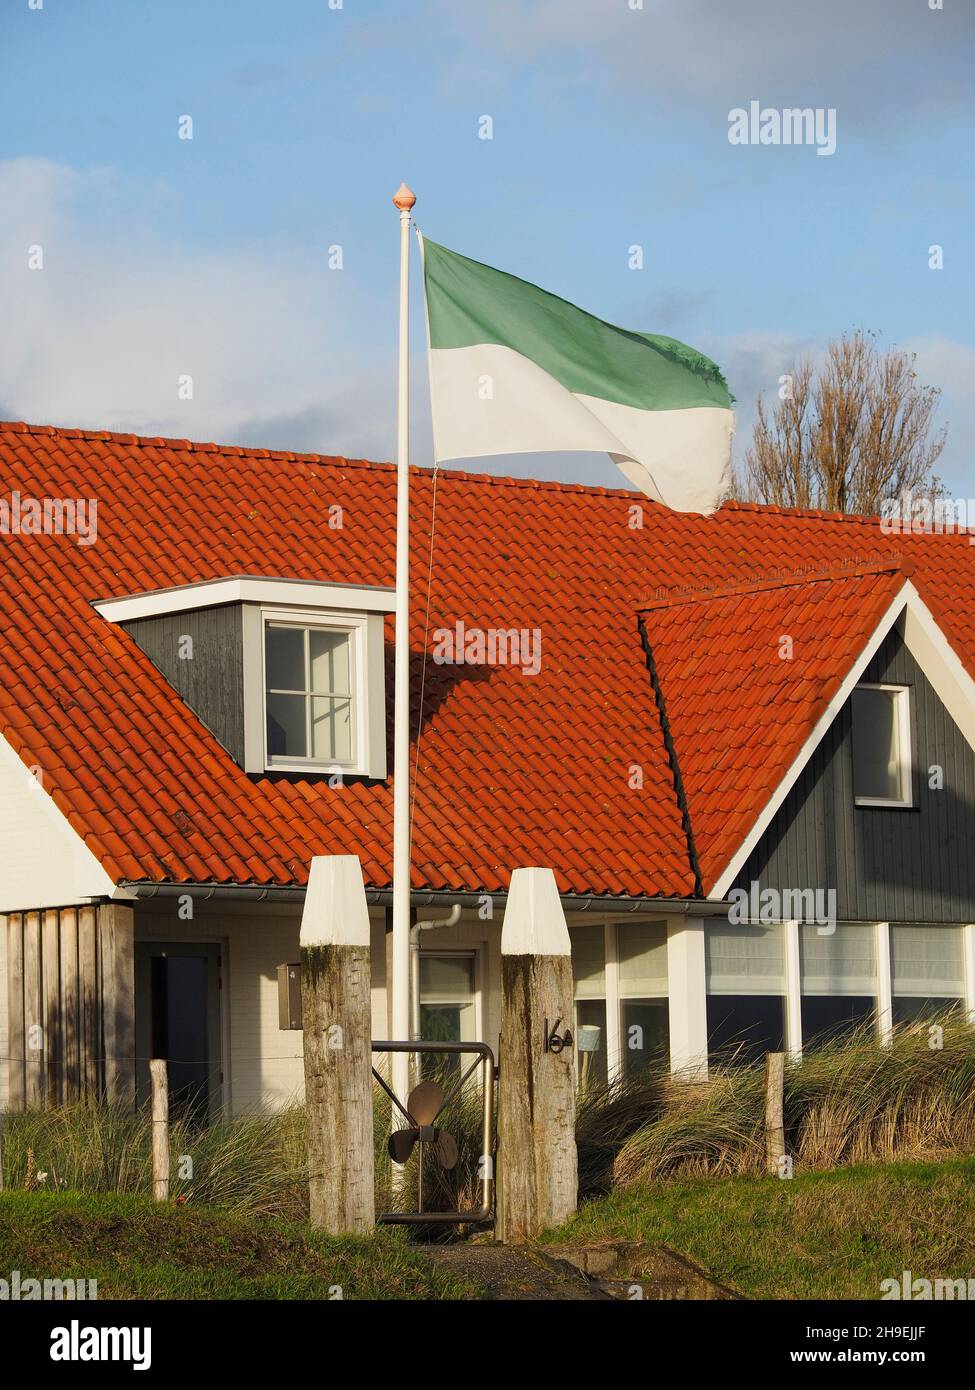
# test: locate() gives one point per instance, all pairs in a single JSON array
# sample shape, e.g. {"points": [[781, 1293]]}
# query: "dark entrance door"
{"points": [[178, 1018]]}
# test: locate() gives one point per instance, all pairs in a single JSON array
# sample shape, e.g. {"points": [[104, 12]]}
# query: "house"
{"points": [[745, 744]]}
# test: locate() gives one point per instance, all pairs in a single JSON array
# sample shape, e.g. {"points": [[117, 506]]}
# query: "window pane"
{"points": [[927, 962], [842, 962], [876, 745], [286, 735], [827, 1017], [591, 1013], [742, 1028], [646, 1033], [285, 657], [329, 654], [643, 959], [331, 729], [743, 959], [907, 1010], [447, 1010], [588, 962]]}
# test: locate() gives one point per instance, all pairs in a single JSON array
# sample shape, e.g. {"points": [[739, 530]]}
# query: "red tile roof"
{"points": [[741, 671], [568, 768]]}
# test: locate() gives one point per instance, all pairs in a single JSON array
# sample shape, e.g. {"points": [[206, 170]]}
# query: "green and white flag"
{"points": [[514, 370]]}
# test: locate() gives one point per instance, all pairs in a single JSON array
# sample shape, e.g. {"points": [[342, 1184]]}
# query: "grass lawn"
{"points": [[833, 1234], [138, 1249]]}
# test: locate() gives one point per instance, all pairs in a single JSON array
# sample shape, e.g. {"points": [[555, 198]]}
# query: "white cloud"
{"points": [[873, 57], [102, 334]]}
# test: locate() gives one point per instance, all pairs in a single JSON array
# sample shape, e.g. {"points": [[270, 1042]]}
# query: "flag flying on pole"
{"points": [[514, 369]]}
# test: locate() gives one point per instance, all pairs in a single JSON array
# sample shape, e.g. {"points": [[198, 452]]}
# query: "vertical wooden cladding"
{"points": [[212, 682], [16, 1041], [887, 865], [71, 1004]]}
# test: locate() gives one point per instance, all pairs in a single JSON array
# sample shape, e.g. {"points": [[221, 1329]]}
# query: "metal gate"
{"points": [[421, 1132]]}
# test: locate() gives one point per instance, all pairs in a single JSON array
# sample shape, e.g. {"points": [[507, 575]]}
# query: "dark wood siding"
{"points": [[212, 682], [913, 865]]}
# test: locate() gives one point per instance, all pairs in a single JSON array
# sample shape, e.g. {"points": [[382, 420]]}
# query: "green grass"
{"points": [[817, 1235], [139, 1249], [847, 1102]]}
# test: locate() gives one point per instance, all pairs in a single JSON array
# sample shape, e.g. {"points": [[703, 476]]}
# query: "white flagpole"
{"points": [[400, 1061]]}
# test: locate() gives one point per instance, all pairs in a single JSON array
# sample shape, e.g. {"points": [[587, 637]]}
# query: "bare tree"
{"points": [[846, 435]]}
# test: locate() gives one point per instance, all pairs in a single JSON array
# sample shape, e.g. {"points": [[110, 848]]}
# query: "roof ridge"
{"points": [[854, 568], [629, 495], [824, 514], [289, 455], [774, 509], [143, 441]]}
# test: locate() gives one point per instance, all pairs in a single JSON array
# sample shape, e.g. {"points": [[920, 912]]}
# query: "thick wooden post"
{"points": [[537, 1162], [336, 1016], [159, 1080], [774, 1110]]}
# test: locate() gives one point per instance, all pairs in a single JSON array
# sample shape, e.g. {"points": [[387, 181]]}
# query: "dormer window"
{"points": [[882, 746], [288, 674], [310, 699], [315, 688]]}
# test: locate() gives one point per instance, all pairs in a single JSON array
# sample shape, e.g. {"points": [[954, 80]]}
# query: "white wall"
{"points": [[263, 1064], [4, 1033], [43, 861]]}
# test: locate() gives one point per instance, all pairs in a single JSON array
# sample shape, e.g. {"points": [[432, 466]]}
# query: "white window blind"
{"points": [[588, 962], [844, 962], [642, 949], [744, 959], [881, 745], [927, 962], [446, 979]]}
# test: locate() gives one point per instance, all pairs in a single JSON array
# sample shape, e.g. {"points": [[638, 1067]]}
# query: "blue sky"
{"points": [[209, 257]]}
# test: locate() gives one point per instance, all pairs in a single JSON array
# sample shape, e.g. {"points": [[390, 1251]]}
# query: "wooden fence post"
{"points": [[538, 1171], [337, 1021], [159, 1079], [774, 1110]]}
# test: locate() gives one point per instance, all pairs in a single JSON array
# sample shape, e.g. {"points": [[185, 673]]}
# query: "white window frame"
{"points": [[615, 993], [355, 629], [368, 689], [474, 955], [902, 707]]}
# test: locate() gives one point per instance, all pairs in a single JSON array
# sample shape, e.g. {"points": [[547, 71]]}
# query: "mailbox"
{"points": [[289, 996]]}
